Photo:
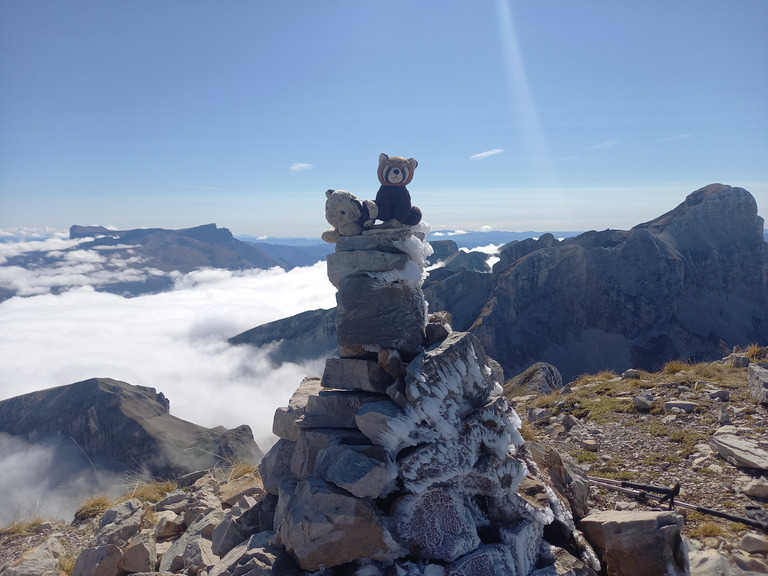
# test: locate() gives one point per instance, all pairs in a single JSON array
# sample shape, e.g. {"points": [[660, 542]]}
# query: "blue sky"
{"points": [[523, 115]]}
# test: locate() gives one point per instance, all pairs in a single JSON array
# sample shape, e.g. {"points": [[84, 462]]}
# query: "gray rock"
{"points": [[120, 523], [99, 561], [312, 440], [355, 262], [643, 402], [683, 405], [636, 543], [709, 563], [199, 556], [169, 524], [740, 451], [736, 361], [488, 560], [40, 561], [758, 383], [376, 419], [753, 543], [540, 378], [326, 526], [355, 374], [757, 488], [538, 415], [140, 555], [336, 408], [226, 565], [276, 464], [363, 471], [631, 374], [377, 314], [436, 524], [284, 423], [459, 360], [173, 559]]}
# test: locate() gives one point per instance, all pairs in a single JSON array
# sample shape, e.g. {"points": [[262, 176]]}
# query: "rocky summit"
{"points": [[112, 425]]}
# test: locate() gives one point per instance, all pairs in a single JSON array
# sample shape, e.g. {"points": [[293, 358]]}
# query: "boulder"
{"points": [[42, 560], [312, 440], [326, 526], [101, 560], [336, 408], [375, 314], [357, 262], [436, 524], [740, 451], [355, 374], [540, 378], [363, 471], [757, 380], [638, 543], [284, 423]]}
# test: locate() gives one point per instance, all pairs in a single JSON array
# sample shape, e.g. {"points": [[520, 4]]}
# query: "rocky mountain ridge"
{"points": [[690, 284], [106, 424]]}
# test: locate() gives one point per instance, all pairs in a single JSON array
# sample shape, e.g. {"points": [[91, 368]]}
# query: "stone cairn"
{"points": [[404, 458]]}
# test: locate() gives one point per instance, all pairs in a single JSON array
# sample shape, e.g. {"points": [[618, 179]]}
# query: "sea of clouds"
{"points": [[61, 330]]}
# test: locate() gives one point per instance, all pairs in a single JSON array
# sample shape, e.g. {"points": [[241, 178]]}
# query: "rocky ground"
{"points": [[597, 421]]}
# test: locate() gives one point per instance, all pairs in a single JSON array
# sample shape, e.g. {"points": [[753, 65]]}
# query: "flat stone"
{"points": [[246, 485], [312, 440], [683, 405], [377, 314], [488, 560], [363, 471], [355, 374], [740, 451], [98, 561], [284, 423], [381, 239], [352, 262], [336, 408], [753, 543], [140, 555], [325, 526]]}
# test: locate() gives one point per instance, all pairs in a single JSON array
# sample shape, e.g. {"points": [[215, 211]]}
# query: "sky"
{"points": [[523, 115]]}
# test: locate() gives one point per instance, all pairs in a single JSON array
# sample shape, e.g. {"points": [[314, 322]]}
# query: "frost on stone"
{"points": [[418, 250], [523, 539], [436, 524], [487, 560]]}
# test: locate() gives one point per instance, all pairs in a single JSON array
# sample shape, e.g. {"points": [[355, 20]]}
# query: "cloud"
{"points": [[487, 153], [300, 166], [606, 144], [486, 228], [568, 158], [675, 138], [174, 342]]}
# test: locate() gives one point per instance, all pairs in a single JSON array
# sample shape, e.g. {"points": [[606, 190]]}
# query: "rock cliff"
{"points": [[689, 284], [115, 426]]}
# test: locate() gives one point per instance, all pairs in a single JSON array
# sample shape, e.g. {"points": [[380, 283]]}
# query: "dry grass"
{"points": [[151, 491], [755, 352], [240, 469], [93, 507], [67, 564], [21, 527]]}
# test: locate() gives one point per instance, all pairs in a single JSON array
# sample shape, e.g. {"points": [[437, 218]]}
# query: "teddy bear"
{"points": [[347, 214], [393, 199]]}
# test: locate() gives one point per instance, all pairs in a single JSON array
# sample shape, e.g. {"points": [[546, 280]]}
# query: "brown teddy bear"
{"points": [[347, 214], [393, 199]]}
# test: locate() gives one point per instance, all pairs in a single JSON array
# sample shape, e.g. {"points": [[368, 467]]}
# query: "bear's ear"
{"points": [[383, 159], [413, 163], [328, 193]]}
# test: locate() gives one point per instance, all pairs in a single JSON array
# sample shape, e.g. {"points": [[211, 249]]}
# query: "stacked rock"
{"points": [[404, 458]]}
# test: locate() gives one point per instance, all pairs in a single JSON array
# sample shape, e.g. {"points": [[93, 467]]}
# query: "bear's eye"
{"points": [[343, 211]]}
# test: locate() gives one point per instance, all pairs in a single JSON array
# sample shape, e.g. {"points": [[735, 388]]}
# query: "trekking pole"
{"points": [[670, 493]]}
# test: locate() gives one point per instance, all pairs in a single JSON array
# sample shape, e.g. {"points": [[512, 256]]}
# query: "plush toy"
{"points": [[393, 199], [347, 214]]}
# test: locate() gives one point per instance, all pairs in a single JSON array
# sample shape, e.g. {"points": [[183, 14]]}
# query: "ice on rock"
{"points": [[436, 524]]}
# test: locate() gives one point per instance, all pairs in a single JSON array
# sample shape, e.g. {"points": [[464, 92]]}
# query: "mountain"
{"points": [[689, 284], [135, 262], [112, 425]]}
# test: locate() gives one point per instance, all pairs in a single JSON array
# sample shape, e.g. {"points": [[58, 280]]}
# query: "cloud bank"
{"points": [[300, 166], [175, 342]]}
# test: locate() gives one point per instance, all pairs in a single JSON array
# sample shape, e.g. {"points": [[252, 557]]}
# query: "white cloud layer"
{"points": [[300, 166], [174, 341]]}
